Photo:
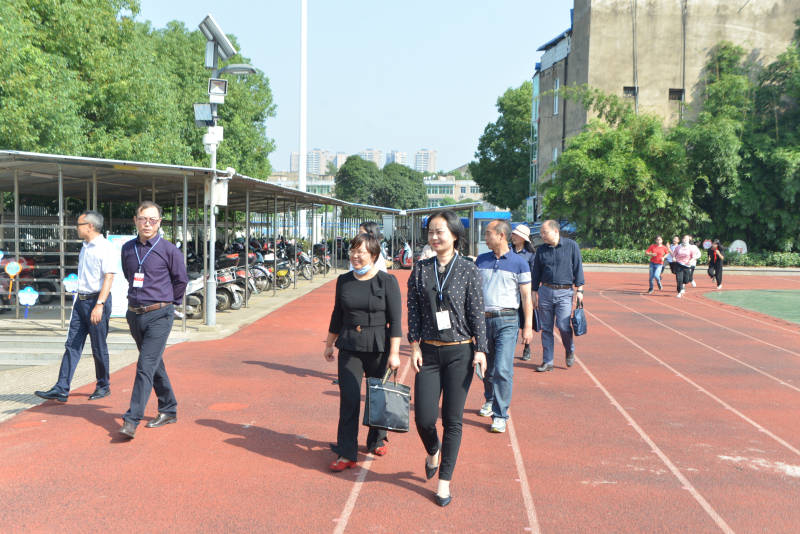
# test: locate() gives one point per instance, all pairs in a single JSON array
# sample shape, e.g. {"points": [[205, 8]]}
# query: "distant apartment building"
{"points": [[339, 159], [375, 156], [395, 156], [652, 52], [440, 188], [317, 161], [425, 160]]}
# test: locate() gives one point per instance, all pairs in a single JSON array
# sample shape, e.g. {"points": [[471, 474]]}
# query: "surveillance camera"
{"points": [[230, 171]]}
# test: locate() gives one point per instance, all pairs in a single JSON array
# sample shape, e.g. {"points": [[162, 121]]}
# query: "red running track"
{"points": [[680, 415]]}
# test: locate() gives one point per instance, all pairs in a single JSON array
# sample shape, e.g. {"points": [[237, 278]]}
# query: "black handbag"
{"points": [[578, 321], [536, 324], [387, 404]]}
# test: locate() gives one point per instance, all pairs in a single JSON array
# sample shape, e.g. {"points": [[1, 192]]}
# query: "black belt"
{"points": [[501, 313], [556, 286], [87, 296]]}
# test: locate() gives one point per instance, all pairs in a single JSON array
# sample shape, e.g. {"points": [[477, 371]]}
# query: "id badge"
{"points": [[138, 279], [443, 320]]}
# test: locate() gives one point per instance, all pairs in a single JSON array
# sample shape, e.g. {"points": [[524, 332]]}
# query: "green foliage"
{"points": [[502, 166], [621, 185], [400, 187], [83, 77], [356, 180]]}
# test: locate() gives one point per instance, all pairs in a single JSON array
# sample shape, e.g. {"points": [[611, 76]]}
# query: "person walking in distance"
{"points": [[715, 259], [683, 254], [693, 263], [97, 263], [157, 279], [447, 332], [521, 241], [558, 267], [366, 328], [506, 278], [657, 251]]}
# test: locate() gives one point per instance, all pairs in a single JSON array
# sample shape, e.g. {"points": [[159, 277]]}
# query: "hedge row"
{"points": [[751, 259]]}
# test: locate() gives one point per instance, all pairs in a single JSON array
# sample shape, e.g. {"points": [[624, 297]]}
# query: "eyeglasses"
{"points": [[145, 220], [358, 252], [81, 224]]}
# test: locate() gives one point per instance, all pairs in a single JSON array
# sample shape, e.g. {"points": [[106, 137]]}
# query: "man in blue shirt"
{"points": [[157, 278], [506, 280], [556, 268]]}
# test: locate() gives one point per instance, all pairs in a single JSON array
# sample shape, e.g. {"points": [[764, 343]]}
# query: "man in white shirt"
{"points": [[97, 263]]}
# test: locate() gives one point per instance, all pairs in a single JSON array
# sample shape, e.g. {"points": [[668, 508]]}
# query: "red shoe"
{"points": [[341, 465], [380, 451]]}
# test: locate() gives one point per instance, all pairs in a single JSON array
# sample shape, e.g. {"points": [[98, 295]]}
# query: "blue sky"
{"points": [[385, 75]]}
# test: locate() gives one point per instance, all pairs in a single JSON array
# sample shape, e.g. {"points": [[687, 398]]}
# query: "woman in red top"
{"points": [[715, 259], [656, 251]]}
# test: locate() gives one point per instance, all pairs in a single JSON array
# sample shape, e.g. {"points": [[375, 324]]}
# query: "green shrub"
{"points": [[751, 259]]}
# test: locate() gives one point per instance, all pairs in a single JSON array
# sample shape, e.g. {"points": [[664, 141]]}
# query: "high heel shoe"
{"points": [[430, 471], [341, 465], [443, 501]]}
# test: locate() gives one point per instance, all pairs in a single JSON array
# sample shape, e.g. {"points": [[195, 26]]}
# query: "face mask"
{"points": [[362, 271]]}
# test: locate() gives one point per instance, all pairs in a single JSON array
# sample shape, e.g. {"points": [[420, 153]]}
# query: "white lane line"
{"points": [[706, 301], [728, 328], [341, 523], [709, 347], [675, 471], [696, 385], [533, 521]]}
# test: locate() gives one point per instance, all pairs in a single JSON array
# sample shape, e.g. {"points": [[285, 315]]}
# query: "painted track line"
{"points": [[672, 467], [349, 506], [728, 328], [705, 301], [696, 385], [533, 521], [709, 347]]}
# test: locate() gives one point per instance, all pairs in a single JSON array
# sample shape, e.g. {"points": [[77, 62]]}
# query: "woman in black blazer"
{"points": [[365, 327]]}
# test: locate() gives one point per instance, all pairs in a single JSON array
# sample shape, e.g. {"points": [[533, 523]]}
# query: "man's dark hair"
{"points": [[95, 218], [149, 204], [552, 225], [370, 243], [502, 227], [453, 224]]}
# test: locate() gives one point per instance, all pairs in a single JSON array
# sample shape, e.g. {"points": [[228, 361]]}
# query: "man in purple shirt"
{"points": [[157, 279]]}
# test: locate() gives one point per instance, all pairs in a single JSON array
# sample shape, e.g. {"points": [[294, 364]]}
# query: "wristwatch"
{"points": [[579, 290], [99, 303]]}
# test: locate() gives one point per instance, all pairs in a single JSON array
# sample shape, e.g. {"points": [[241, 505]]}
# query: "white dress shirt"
{"points": [[97, 259]]}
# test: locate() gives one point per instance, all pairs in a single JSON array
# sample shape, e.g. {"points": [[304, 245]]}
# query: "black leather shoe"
{"points": [[161, 420], [52, 394], [430, 471], [128, 430], [100, 393], [443, 501], [570, 359], [544, 367]]}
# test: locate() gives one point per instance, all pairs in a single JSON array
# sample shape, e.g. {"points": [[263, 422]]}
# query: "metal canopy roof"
{"points": [[120, 180]]}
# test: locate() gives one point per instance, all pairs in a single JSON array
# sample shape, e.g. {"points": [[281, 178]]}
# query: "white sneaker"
{"points": [[486, 410], [498, 425], [719, 286], [679, 295], [694, 284]]}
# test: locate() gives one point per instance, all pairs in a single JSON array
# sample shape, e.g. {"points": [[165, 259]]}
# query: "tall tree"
{"points": [[400, 187], [502, 167], [621, 183], [356, 180]]}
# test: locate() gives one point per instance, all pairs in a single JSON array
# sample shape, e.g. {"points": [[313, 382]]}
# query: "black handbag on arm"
{"points": [[387, 404]]}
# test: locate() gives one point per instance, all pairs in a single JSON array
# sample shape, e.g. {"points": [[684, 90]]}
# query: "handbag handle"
{"points": [[389, 373]]}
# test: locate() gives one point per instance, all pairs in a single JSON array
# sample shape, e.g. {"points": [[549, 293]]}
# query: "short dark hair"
{"points": [[372, 228], [370, 243], [552, 225], [95, 218], [149, 204], [502, 227], [453, 224]]}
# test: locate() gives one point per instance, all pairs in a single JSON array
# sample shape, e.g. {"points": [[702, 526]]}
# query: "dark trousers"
{"points": [[352, 367], [683, 275], [718, 271], [447, 372], [80, 325], [150, 331]]}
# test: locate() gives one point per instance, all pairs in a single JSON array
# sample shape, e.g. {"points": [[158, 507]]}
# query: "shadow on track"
{"points": [[291, 370]]}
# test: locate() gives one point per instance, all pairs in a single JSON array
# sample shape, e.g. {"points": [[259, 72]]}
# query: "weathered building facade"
{"points": [[651, 51]]}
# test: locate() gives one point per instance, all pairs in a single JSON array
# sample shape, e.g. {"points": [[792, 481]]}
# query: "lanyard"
{"points": [[440, 287], [141, 260]]}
